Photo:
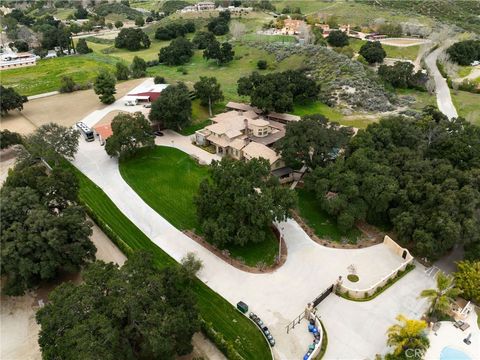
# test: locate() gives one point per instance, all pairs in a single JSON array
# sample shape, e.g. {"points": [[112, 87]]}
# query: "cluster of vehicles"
{"points": [[263, 327]]}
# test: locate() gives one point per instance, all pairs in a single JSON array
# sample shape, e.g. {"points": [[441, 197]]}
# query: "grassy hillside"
{"points": [[463, 13], [46, 75]]}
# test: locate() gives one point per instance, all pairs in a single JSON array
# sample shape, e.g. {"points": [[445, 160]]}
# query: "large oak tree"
{"points": [[240, 202], [132, 312]]}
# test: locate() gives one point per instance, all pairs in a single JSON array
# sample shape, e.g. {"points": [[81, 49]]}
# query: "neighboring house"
{"points": [[201, 6], [243, 133], [14, 60], [326, 29], [292, 27]]}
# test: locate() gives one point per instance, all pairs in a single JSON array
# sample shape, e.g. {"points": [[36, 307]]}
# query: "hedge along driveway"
{"points": [[235, 328]]}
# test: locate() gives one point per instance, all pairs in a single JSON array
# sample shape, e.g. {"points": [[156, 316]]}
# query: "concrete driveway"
{"points": [[277, 297], [444, 100]]}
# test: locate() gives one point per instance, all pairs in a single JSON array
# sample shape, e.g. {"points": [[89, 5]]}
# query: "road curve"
{"points": [[444, 100]]}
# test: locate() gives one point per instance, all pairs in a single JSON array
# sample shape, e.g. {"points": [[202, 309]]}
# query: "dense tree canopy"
{"points": [[241, 201], [122, 72], [174, 108], [133, 312], [82, 47], [402, 75], [52, 142], [467, 278], [337, 38], [10, 100], [130, 132], [9, 138], [221, 53], [208, 91], [105, 87], [278, 91], [420, 176], [202, 39], [312, 141], [465, 52], [138, 67], [178, 52], [43, 232], [219, 25], [132, 39], [373, 52], [174, 30]]}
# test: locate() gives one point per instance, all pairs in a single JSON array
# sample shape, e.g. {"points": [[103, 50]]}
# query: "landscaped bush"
{"points": [[159, 80], [262, 64], [352, 278]]}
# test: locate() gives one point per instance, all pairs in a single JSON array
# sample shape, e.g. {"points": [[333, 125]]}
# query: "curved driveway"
{"points": [[280, 296], [444, 100]]}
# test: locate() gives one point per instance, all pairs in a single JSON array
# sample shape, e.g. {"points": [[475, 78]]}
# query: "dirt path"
{"points": [[64, 109]]}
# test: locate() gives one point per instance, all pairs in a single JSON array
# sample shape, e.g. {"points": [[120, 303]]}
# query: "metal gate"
{"points": [[322, 296]]}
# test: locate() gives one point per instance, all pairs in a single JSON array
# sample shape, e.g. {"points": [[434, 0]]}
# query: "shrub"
{"points": [[159, 80], [67, 85], [262, 64], [337, 38]]}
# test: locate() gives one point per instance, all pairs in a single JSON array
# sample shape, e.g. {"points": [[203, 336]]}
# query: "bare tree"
{"points": [[237, 29], [305, 33]]}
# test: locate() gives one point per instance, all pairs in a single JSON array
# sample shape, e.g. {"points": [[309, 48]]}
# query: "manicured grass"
{"points": [[397, 52], [46, 75], [467, 105], [317, 107], [235, 327], [322, 224], [190, 130], [352, 278], [167, 179]]}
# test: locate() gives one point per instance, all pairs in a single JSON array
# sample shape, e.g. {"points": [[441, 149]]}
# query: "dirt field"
{"points": [[64, 109], [403, 42]]}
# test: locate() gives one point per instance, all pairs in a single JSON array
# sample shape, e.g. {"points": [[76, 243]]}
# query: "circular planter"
{"points": [[352, 278]]}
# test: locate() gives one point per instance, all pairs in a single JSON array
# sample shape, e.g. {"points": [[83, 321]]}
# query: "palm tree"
{"points": [[441, 297], [408, 335]]}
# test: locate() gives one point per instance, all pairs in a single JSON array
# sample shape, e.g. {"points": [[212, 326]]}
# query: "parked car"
{"points": [[147, 105], [158, 133]]}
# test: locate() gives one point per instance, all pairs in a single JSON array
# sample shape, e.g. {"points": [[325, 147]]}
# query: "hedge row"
{"points": [[379, 290]]}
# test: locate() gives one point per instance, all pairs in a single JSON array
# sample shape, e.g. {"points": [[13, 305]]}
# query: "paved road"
{"points": [[277, 297], [444, 100]]}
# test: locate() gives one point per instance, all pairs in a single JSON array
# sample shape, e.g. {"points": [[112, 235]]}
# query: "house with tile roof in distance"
{"points": [[244, 133]]}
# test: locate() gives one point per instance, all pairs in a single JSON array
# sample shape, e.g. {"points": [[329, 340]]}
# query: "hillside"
{"points": [[344, 82]]}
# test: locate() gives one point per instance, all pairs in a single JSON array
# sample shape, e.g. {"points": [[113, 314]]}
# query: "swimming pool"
{"points": [[449, 353]]}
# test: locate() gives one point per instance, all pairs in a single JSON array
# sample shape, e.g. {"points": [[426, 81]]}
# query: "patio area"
{"points": [[449, 338]]}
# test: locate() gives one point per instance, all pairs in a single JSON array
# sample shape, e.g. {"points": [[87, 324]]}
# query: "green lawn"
{"points": [[235, 328], [167, 179], [323, 224], [397, 52], [46, 75], [468, 105], [317, 107]]}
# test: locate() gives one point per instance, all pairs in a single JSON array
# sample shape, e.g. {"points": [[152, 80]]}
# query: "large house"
{"points": [[244, 133], [201, 6]]}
